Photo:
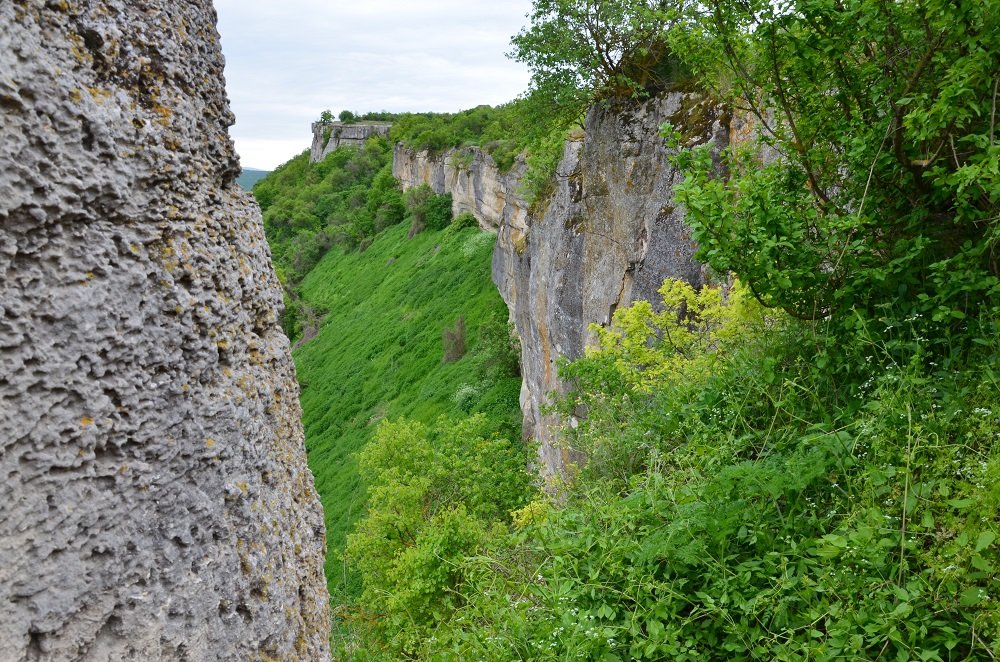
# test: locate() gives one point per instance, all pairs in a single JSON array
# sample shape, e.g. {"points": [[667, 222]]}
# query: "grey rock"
{"points": [[471, 177], [329, 136], [156, 502], [608, 235]]}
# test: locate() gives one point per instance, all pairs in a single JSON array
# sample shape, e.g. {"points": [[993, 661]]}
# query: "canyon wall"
{"points": [[472, 178], [328, 136], [608, 234], [156, 502]]}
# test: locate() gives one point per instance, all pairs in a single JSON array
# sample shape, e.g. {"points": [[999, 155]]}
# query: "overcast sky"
{"points": [[288, 60]]}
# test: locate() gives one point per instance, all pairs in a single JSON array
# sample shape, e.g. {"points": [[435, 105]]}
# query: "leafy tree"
{"points": [[429, 210], [578, 49], [882, 193], [435, 496], [347, 117], [326, 117]]}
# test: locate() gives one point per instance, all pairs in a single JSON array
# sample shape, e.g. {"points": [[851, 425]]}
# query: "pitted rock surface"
{"points": [[608, 235], [156, 502]]}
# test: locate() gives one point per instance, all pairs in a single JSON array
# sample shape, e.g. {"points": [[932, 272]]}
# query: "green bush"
{"points": [[436, 496], [427, 209]]}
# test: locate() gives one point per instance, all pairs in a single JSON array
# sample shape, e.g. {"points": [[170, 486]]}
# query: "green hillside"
{"points": [[379, 353], [394, 318]]}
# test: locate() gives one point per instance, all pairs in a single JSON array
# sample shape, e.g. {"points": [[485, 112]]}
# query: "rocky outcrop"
{"points": [[471, 177], [156, 502], [608, 234], [328, 136]]}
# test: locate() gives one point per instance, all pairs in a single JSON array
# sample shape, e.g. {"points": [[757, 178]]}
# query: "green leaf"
{"points": [[985, 539], [970, 596]]}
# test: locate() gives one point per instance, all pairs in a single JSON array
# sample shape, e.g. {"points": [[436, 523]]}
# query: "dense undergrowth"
{"points": [[739, 502]]}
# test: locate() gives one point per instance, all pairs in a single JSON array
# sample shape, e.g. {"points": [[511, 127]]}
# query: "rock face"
{"points": [[607, 235], [328, 136], [156, 502], [472, 178]]}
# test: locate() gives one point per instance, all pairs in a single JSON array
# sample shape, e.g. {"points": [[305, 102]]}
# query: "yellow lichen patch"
{"points": [[209, 442], [100, 95], [164, 114], [86, 421], [75, 96], [520, 241]]}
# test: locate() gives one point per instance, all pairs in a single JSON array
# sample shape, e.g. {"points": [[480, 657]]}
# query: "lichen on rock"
{"points": [[156, 499]]}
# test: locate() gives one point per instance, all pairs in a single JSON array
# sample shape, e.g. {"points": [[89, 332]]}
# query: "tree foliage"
{"points": [[344, 199], [435, 495], [579, 50], [875, 187]]}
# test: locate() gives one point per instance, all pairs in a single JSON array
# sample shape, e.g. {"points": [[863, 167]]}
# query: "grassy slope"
{"points": [[379, 351]]}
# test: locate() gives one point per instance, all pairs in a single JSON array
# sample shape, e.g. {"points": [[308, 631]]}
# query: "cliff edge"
{"points": [[606, 235], [156, 499]]}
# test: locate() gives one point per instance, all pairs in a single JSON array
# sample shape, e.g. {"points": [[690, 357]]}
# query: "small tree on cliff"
{"points": [[578, 50]]}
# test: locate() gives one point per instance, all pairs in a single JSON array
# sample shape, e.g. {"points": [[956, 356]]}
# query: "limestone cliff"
{"points": [[472, 178], [328, 136], [156, 502], [607, 235]]}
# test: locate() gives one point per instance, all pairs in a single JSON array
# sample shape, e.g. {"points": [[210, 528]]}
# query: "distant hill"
{"points": [[251, 176]]}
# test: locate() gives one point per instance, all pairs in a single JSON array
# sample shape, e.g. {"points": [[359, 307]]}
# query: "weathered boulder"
{"points": [[608, 234], [156, 502]]}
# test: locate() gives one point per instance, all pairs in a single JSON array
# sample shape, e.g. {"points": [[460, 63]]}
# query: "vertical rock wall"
{"points": [[154, 497], [607, 235], [472, 178], [328, 137]]}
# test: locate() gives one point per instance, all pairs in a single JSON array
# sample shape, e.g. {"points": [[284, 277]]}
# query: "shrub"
{"points": [[454, 341], [427, 209], [436, 495]]}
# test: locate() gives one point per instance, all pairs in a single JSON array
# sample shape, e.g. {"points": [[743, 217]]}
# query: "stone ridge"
{"points": [[607, 235], [328, 136], [471, 177], [156, 502]]}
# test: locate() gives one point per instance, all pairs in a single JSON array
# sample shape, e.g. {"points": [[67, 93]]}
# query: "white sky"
{"points": [[288, 60]]}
